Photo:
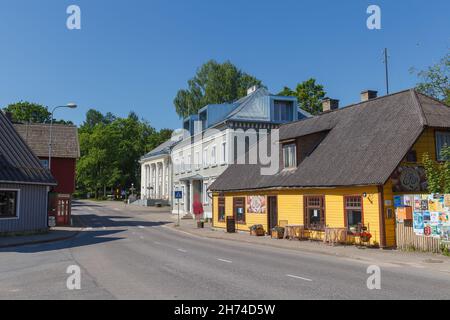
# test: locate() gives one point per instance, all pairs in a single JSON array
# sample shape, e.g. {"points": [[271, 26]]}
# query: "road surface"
{"points": [[134, 254]]}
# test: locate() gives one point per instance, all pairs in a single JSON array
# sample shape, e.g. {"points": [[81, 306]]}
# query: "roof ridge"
{"points": [[418, 104]]}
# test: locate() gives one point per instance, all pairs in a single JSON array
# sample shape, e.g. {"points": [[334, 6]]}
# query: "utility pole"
{"points": [[386, 63]]}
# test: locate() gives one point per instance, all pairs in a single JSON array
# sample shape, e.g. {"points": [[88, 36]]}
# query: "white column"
{"points": [[164, 172], [150, 180], [191, 195]]}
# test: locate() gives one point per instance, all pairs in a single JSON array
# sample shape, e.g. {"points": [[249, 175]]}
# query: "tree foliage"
{"points": [[438, 173], [111, 148], [309, 95], [436, 80], [24, 111], [214, 83]]}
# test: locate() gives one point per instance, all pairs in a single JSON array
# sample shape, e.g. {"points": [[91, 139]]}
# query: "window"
{"points": [[290, 155], [315, 212], [205, 193], [224, 153], [353, 213], [44, 163], [189, 163], [239, 209], [197, 160], [8, 204], [213, 155], [205, 158], [221, 213], [283, 111], [442, 140]]}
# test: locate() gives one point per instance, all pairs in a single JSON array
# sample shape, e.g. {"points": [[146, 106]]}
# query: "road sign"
{"points": [[178, 194]]}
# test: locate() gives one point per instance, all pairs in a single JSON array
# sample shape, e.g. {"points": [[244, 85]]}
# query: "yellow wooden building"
{"points": [[340, 169]]}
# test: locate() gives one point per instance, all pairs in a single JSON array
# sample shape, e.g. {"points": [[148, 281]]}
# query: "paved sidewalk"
{"points": [[380, 257], [55, 234]]}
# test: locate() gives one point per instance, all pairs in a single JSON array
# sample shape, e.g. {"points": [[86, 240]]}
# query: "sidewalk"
{"points": [[392, 258], [54, 234]]}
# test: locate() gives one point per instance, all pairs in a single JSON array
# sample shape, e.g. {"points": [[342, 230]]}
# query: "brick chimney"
{"points": [[329, 104], [368, 95]]}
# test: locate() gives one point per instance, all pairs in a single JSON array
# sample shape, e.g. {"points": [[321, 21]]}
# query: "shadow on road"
{"points": [[85, 238], [96, 221]]}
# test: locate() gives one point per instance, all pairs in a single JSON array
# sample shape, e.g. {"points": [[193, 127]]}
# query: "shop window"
{"points": [[239, 210], [8, 203], [315, 212], [442, 140], [221, 203], [353, 213]]}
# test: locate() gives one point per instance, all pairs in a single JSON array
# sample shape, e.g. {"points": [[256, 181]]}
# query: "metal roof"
{"points": [[364, 144], [18, 164]]}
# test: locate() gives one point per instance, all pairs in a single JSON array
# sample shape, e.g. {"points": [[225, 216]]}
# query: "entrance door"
{"points": [[273, 212], [63, 210]]}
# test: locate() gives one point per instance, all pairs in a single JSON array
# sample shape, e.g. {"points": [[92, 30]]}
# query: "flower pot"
{"points": [[200, 224], [277, 234]]}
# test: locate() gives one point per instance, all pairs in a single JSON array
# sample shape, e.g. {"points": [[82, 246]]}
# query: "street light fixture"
{"points": [[69, 106]]}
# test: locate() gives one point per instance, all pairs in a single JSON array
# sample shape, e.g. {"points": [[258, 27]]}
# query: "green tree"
{"points": [[438, 173], [436, 80], [24, 111], [214, 83], [309, 95]]}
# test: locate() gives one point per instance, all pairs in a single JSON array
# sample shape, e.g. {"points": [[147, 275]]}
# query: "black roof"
{"points": [[18, 164], [364, 144]]}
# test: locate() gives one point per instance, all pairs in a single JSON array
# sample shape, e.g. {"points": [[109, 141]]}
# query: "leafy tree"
{"points": [[436, 80], [438, 173], [214, 83], [24, 111], [309, 95]]}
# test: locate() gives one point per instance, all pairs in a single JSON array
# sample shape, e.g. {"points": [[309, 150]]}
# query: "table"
{"points": [[335, 235], [293, 231]]}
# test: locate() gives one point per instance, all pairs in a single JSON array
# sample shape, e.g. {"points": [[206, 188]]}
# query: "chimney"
{"points": [[368, 95], [251, 90], [329, 104]]}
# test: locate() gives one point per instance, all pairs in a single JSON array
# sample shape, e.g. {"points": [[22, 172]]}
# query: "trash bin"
{"points": [[231, 225]]}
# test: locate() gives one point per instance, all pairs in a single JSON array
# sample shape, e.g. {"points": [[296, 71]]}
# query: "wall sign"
{"points": [[407, 179], [256, 204]]}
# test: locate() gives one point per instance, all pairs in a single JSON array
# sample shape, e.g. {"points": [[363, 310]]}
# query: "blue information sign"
{"points": [[178, 194]]}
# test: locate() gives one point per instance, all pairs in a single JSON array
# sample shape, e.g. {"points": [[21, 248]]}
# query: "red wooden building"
{"points": [[65, 152]]}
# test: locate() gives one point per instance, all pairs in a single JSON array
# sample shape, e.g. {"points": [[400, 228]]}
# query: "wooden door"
{"points": [[272, 216]]}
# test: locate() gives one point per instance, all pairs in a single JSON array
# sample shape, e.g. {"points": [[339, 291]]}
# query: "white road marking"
{"points": [[141, 227], [158, 243], [182, 250], [88, 229], [226, 261], [297, 277], [141, 237]]}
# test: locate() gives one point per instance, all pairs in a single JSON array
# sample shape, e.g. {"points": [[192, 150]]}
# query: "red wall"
{"points": [[63, 170]]}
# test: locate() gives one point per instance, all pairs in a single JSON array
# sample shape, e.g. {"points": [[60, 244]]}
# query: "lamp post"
{"points": [[70, 106]]}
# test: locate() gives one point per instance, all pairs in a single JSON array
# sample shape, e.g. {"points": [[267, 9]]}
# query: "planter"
{"points": [[277, 234], [258, 233]]}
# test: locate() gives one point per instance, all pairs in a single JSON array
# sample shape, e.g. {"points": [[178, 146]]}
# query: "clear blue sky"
{"points": [[136, 54]]}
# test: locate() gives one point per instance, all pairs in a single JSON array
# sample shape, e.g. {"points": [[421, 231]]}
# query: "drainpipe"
{"points": [[382, 217]]}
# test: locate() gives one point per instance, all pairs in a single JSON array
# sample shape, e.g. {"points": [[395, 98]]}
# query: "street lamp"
{"points": [[70, 106]]}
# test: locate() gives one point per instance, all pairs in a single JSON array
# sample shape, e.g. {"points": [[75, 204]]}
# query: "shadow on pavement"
{"points": [[85, 238], [96, 221]]}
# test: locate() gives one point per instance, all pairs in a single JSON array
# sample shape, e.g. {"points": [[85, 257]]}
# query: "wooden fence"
{"points": [[408, 240]]}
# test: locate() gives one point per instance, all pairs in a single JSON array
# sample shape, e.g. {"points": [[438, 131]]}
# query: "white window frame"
{"points": [[292, 161], [17, 217], [213, 156], [224, 153], [197, 160], [205, 158], [189, 163], [205, 199]]}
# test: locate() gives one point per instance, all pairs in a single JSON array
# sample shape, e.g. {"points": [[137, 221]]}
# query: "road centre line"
{"points": [[223, 260], [297, 277]]}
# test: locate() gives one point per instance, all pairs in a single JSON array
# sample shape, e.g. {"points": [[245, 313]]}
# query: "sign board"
{"points": [[178, 194], [52, 221]]}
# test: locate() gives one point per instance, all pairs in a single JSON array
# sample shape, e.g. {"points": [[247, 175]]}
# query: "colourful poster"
{"points": [[434, 218], [432, 205], [408, 201], [424, 205], [426, 217], [418, 223], [447, 200], [256, 204], [398, 201]]}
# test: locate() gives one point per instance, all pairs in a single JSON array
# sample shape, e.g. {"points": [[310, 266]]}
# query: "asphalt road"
{"points": [[130, 254]]}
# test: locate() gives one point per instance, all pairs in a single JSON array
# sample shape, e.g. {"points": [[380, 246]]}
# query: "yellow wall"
{"points": [[291, 208], [426, 144]]}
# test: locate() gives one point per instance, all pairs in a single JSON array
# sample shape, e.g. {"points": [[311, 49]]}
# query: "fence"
{"points": [[408, 240]]}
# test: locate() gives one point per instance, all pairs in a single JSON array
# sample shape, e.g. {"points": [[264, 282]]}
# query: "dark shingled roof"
{"points": [[365, 143], [163, 149], [18, 164]]}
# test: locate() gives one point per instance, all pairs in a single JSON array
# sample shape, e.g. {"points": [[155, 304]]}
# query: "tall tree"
{"points": [[214, 83], [436, 80], [309, 95], [438, 173], [25, 111]]}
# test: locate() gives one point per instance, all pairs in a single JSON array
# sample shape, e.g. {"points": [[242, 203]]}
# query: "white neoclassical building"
{"points": [[156, 175]]}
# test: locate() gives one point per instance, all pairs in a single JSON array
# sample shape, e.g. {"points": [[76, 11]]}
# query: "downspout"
{"points": [[382, 217]]}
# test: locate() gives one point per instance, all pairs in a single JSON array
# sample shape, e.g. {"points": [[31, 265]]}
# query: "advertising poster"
{"points": [[398, 201], [434, 218], [432, 205], [417, 203], [424, 205], [256, 204], [418, 223], [408, 201], [447, 200]]}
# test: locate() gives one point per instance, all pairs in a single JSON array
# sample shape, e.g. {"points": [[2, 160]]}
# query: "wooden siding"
{"points": [[291, 208], [32, 209], [408, 240]]}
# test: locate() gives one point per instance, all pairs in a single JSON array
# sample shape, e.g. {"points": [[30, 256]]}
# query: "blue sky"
{"points": [[136, 54]]}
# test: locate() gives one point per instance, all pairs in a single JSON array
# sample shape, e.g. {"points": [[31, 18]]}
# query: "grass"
{"points": [[23, 233]]}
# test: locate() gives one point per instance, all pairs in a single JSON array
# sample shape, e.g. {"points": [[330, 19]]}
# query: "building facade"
{"points": [[65, 151], [212, 141], [24, 184], [340, 170], [156, 175]]}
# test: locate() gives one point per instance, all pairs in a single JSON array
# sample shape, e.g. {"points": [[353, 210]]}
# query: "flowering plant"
{"points": [[365, 236]]}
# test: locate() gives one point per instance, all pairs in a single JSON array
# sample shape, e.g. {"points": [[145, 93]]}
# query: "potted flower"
{"points": [[365, 236], [278, 232], [257, 230]]}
